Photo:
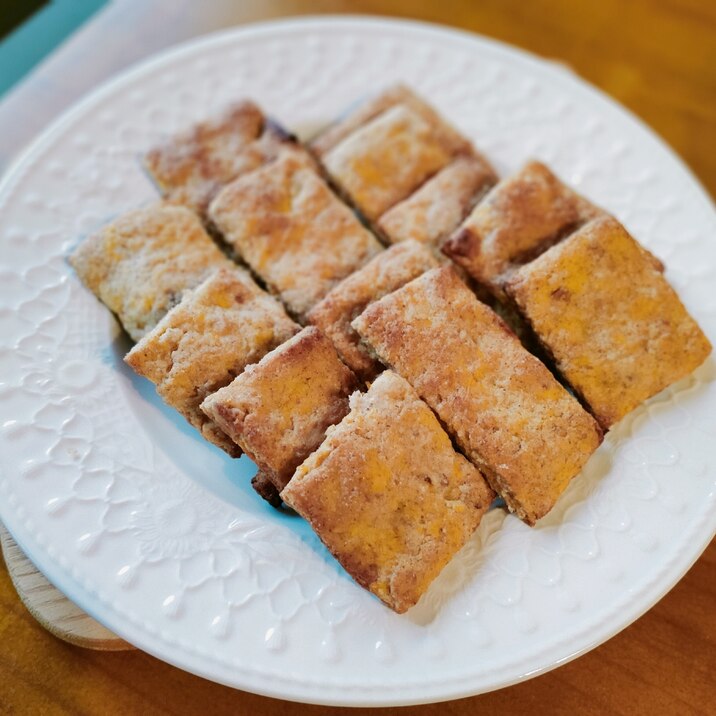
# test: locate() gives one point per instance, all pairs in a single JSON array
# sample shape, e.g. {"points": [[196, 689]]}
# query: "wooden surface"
{"points": [[659, 59], [50, 607]]}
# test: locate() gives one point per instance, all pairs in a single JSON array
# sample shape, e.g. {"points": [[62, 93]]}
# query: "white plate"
{"points": [[160, 537]]}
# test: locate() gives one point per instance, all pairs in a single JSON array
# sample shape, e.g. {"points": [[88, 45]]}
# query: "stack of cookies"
{"points": [[334, 312]]}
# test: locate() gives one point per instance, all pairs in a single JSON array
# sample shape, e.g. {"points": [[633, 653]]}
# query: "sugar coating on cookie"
{"points": [[293, 231], [521, 217], [388, 98], [502, 406], [385, 160], [388, 495], [140, 264], [278, 410], [439, 206], [190, 167], [384, 273], [616, 329], [202, 344]]}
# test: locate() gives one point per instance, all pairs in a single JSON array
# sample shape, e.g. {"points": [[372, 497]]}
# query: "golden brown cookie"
{"points": [[440, 205], [388, 495], [617, 331], [278, 410], [385, 100], [293, 231], [520, 218], [202, 344], [190, 167], [141, 263], [386, 159], [384, 273], [505, 410]]}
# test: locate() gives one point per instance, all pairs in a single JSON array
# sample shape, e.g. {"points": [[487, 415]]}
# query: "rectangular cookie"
{"points": [[384, 273], [393, 511], [439, 206], [398, 94], [520, 218], [140, 264], [192, 166], [503, 407], [278, 410], [293, 231], [601, 307], [386, 159], [202, 344]]}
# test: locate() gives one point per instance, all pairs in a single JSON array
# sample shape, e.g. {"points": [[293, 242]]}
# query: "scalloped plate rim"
{"points": [[151, 642]]}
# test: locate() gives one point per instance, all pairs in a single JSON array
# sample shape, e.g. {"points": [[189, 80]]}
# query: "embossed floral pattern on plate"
{"points": [[159, 536]]}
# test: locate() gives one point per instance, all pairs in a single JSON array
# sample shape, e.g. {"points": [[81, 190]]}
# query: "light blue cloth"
{"points": [[43, 31]]}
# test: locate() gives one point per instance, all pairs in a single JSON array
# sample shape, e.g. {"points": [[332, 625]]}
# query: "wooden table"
{"points": [[659, 59]]}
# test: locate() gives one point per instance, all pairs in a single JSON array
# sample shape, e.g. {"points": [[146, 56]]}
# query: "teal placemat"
{"points": [[31, 30]]}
